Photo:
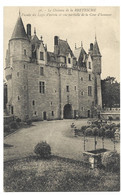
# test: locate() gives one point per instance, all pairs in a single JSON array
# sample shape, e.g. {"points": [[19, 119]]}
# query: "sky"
{"points": [[75, 24]]}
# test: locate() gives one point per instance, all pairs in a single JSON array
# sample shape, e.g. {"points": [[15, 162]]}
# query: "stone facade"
{"points": [[51, 85]]}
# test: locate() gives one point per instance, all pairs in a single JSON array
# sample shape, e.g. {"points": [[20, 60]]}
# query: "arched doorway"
{"points": [[67, 112]]}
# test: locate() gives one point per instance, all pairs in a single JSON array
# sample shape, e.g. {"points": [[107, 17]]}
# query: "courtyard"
{"points": [[58, 134]]}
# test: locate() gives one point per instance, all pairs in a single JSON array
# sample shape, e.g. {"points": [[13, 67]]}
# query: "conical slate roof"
{"points": [[96, 50], [19, 30]]}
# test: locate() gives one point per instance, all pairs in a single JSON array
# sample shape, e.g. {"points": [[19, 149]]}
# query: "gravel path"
{"points": [[57, 133]]}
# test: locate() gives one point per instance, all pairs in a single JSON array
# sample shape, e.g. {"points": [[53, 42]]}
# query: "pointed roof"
{"points": [[79, 51], [19, 30], [64, 48], [96, 50]]}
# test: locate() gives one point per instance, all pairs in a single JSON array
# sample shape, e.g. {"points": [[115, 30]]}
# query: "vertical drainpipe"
{"points": [[59, 92], [78, 93]]}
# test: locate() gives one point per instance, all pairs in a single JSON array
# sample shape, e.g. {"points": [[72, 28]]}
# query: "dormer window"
{"points": [[69, 60], [41, 56]]}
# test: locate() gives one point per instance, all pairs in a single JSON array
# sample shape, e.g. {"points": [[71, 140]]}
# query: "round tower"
{"points": [[19, 58], [96, 56]]}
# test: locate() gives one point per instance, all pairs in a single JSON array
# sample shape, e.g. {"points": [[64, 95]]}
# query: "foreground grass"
{"points": [[56, 174]]}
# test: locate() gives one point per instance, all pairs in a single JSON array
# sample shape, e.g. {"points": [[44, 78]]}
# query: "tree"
{"points": [[110, 92]]}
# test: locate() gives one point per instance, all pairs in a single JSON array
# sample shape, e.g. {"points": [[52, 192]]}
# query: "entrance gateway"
{"points": [[67, 112]]}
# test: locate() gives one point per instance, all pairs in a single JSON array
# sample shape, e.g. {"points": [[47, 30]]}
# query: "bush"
{"points": [[112, 126], [13, 125], [118, 125], [110, 118], [101, 132], [82, 130], [43, 150], [109, 133], [29, 122], [111, 161], [6, 128], [18, 120], [107, 126], [95, 131], [117, 118], [88, 131]]}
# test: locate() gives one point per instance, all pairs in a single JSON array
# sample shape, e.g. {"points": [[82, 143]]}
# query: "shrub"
{"points": [[29, 122], [118, 125], [101, 132], [6, 128], [18, 120], [110, 118], [117, 118], [112, 126], [109, 133], [111, 161], [88, 131], [43, 150], [95, 131], [107, 126], [83, 128], [13, 125]]}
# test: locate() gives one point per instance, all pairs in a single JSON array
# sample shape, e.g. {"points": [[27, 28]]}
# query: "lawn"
{"points": [[31, 174]]}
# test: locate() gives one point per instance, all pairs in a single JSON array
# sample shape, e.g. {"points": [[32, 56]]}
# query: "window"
{"points": [[69, 71], [33, 102], [42, 87], [89, 65], [25, 52], [81, 78], [41, 56], [24, 87], [12, 111], [75, 88], [24, 66], [69, 60], [89, 90], [51, 103], [35, 112], [82, 108], [65, 60], [82, 93], [52, 113], [18, 98], [67, 88], [17, 74], [41, 71], [90, 78]]}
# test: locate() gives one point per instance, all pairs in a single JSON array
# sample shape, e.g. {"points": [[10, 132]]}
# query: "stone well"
{"points": [[94, 157]]}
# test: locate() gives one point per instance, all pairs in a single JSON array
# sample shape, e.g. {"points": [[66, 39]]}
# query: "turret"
{"points": [[96, 56], [19, 44], [18, 56]]}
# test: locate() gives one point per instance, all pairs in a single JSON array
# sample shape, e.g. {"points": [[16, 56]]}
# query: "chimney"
{"points": [[91, 46], [29, 30], [56, 40], [56, 48]]}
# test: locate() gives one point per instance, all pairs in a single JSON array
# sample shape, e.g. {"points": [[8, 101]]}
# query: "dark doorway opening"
{"points": [[67, 113], [88, 113], [44, 116]]}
